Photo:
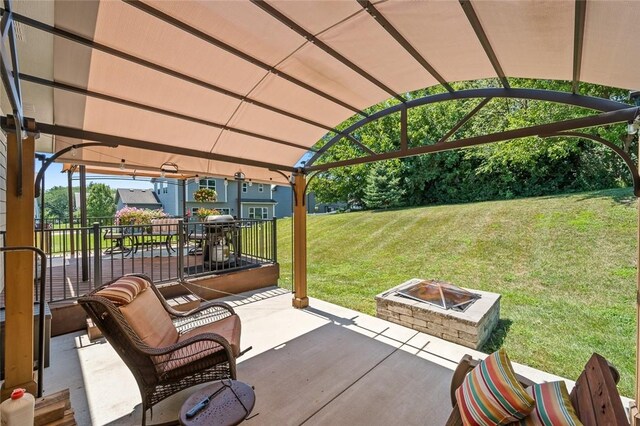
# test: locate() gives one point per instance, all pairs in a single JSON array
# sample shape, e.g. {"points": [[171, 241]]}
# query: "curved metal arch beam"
{"points": [[633, 168], [605, 118], [47, 162], [589, 102], [311, 178]]}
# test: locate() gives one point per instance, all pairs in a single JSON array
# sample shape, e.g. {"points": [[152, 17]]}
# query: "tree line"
{"points": [[101, 202], [519, 168]]}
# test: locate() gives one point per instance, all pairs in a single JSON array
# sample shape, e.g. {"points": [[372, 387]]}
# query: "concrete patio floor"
{"points": [[322, 365]]}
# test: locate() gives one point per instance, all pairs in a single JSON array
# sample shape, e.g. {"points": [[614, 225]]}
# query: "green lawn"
{"points": [[565, 266]]}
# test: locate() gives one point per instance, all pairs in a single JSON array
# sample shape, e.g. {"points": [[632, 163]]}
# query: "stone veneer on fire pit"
{"points": [[470, 328]]}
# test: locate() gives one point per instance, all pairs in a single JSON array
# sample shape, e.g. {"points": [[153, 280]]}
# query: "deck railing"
{"points": [[57, 223], [80, 259]]}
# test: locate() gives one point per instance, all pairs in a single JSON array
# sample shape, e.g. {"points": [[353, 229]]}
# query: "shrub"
{"points": [[136, 216]]}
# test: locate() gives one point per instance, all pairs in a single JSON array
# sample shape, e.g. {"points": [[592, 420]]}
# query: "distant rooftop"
{"points": [[138, 197]]}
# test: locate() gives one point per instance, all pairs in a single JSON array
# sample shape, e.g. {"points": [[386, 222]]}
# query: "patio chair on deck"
{"points": [[166, 228], [166, 350], [117, 241]]}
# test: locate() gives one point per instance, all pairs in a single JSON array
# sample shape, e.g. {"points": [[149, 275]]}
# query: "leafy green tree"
{"points": [[56, 203], [342, 184], [383, 187], [523, 167], [100, 200]]}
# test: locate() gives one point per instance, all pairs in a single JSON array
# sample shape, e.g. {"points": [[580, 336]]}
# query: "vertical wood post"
{"points": [[300, 299], [19, 278]]}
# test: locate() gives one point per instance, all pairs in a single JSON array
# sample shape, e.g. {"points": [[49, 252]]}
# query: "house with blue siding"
{"points": [[258, 200]]}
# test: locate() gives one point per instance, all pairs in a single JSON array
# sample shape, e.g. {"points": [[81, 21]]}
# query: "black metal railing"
{"points": [[82, 258], [62, 223], [216, 247]]}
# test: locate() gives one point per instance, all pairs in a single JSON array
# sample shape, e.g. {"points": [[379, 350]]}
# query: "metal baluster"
{"points": [[180, 260], [97, 258]]}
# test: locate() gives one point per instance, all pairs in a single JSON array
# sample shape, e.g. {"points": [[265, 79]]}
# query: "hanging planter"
{"points": [[205, 195]]}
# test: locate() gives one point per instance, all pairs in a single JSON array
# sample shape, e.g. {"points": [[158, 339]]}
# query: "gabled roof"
{"points": [[138, 197]]}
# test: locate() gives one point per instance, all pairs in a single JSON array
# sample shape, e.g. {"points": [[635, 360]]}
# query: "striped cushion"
{"points": [[553, 406], [123, 291], [491, 395]]}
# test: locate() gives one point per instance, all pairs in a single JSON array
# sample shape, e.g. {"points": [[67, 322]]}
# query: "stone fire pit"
{"points": [[470, 327]]}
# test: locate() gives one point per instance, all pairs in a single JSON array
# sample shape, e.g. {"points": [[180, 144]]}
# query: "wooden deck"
{"points": [[64, 279]]}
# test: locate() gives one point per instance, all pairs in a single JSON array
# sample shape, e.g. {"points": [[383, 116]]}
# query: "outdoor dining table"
{"points": [[141, 238]]}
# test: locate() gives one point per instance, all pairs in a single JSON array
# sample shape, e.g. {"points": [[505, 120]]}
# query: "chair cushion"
{"points": [[491, 395], [124, 290], [552, 407], [150, 320], [229, 328]]}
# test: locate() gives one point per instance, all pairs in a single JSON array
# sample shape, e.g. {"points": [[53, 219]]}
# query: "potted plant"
{"points": [[205, 195], [202, 213]]}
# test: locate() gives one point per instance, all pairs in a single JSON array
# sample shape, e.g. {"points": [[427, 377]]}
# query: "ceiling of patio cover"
{"points": [[276, 105]]}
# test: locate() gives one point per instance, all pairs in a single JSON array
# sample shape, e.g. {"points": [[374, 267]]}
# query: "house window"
{"points": [[260, 187], [208, 183], [245, 187], [165, 187], [258, 213], [223, 211]]}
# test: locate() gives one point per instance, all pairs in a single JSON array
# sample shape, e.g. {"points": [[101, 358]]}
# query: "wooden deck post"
{"points": [[19, 278], [300, 299]]}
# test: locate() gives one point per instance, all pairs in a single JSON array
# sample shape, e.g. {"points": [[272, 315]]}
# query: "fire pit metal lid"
{"points": [[439, 293]]}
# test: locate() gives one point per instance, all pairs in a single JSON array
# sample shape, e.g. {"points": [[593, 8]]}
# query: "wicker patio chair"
{"points": [[166, 350]]}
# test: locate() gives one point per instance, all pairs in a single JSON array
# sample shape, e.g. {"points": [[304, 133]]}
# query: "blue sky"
{"points": [[55, 177]]}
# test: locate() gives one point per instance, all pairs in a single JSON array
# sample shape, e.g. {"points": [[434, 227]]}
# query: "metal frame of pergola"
{"points": [[12, 78], [606, 112]]}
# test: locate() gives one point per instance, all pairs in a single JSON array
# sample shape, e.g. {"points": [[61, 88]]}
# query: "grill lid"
{"points": [[219, 218]]}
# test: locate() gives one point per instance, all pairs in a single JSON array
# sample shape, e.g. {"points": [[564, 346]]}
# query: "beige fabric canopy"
{"points": [[256, 84]]}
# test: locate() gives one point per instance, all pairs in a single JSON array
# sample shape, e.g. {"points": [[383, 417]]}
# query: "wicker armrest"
{"points": [[214, 340], [202, 341]]}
